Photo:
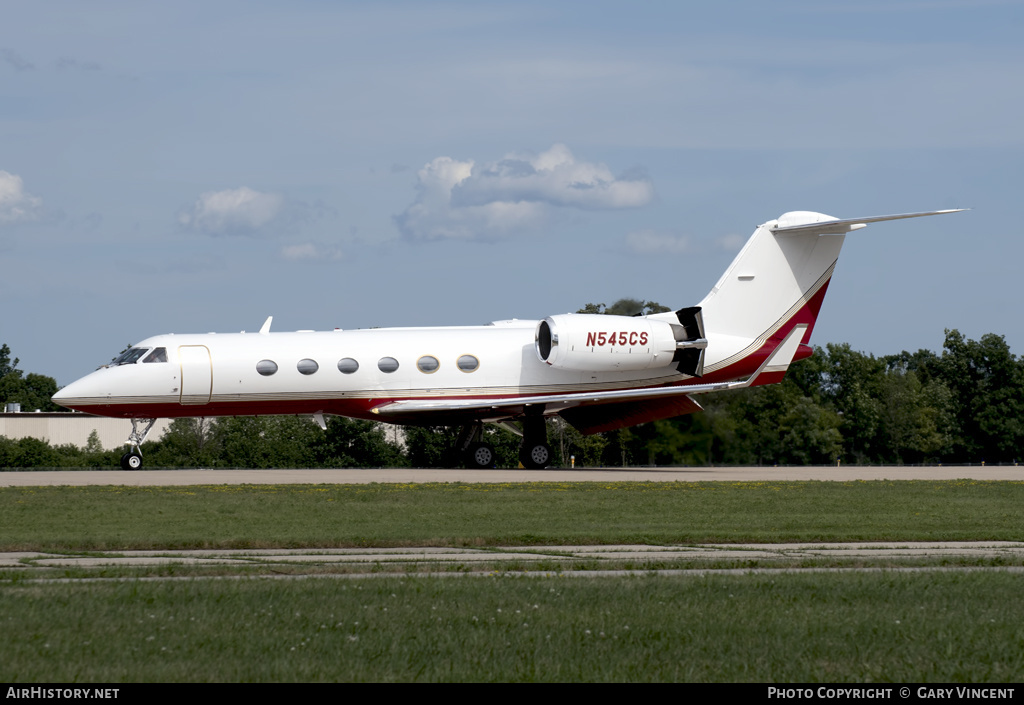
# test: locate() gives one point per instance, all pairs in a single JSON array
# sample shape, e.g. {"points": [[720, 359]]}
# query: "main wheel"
{"points": [[131, 461], [480, 455], [535, 456]]}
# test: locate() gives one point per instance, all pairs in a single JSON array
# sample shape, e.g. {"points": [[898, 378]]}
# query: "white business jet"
{"points": [[598, 372]]}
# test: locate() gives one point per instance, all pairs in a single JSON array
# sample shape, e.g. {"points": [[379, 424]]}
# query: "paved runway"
{"points": [[141, 478]]}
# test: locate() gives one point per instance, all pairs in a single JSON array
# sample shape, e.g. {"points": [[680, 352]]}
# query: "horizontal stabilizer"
{"points": [[838, 227]]}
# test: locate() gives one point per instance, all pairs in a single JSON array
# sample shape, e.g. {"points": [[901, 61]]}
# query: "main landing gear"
{"points": [[471, 447], [534, 451], [132, 460]]}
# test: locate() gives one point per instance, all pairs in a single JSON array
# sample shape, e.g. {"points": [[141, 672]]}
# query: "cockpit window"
{"points": [[158, 355], [129, 356]]}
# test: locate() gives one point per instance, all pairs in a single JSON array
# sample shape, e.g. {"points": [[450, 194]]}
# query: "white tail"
{"points": [[776, 282]]}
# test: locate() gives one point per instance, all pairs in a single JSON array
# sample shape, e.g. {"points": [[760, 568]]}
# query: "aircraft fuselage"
{"points": [[342, 372]]}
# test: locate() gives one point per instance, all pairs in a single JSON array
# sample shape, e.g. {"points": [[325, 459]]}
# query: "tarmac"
{"points": [[848, 473]]}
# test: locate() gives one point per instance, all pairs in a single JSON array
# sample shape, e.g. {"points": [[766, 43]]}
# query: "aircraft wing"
{"points": [[588, 412], [514, 406]]}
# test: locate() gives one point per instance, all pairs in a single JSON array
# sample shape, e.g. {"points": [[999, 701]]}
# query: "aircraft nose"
{"points": [[73, 395], [64, 396]]}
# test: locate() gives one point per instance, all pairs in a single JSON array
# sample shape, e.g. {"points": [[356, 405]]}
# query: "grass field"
{"points": [[240, 516], [880, 625], [786, 628]]}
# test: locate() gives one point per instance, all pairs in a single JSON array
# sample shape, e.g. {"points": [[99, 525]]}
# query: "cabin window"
{"points": [[347, 365], [468, 363], [158, 355], [307, 366], [266, 367], [428, 364], [387, 364]]}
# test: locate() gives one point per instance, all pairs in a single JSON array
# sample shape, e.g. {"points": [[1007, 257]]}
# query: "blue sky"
{"points": [[192, 167]]}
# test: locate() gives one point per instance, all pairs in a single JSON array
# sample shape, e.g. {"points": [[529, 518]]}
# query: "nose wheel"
{"points": [[132, 460]]}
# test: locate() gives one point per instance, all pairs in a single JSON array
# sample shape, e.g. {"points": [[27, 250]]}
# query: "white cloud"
{"points": [[463, 199], [552, 177], [311, 251], [233, 211], [15, 60], [731, 243], [194, 264], [16, 204], [67, 63], [655, 242], [666, 242]]}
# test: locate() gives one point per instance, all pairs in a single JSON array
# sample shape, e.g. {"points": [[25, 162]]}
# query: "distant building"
{"points": [[63, 428]]}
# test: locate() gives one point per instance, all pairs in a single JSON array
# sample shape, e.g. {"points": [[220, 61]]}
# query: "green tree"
{"points": [[913, 424], [266, 441], [849, 386], [809, 434], [434, 446], [7, 366], [187, 442], [32, 391], [431, 446], [566, 442], [626, 307], [28, 453], [357, 443], [986, 382], [93, 445]]}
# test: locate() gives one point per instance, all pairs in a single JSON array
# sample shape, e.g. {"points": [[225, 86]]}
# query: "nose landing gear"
{"points": [[132, 460]]}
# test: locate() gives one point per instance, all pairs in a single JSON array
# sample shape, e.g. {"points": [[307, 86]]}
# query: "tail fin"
{"points": [[777, 282]]}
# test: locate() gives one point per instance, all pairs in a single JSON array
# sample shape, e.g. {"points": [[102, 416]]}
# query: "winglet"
{"points": [[266, 325]]}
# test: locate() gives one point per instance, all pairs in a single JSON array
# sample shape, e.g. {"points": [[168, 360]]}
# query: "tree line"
{"points": [[32, 391], [962, 405]]}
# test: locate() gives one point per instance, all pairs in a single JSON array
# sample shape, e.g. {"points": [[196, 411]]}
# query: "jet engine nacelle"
{"points": [[601, 343]]}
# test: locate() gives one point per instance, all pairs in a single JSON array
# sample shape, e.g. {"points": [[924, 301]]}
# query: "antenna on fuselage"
{"points": [[266, 325]]}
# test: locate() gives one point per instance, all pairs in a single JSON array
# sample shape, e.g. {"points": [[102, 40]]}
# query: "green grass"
{"points": [[780, 627], [233, 516], [783, 628]]}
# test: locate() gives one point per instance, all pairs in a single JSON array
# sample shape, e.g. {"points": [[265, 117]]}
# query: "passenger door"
{"points": [[196, 374]]}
